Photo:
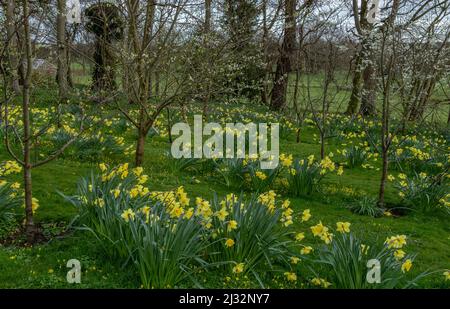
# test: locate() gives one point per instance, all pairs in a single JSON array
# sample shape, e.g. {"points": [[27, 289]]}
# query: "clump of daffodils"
{"points": [[9, 167]]}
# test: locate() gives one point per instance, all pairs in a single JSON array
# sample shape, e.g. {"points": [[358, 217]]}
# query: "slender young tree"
{"points": [[29, 137]]}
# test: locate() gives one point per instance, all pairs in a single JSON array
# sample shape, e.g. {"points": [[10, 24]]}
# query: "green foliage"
{"points": [[92, 148], [231, 172], [424, 193], [304, 177], [183, 164], [346, 258], [355, 156], [105, 21], [133, 225], [9, 200], [243, 70], [164, 251], [260, 180], [259, 239], [366, 206]]}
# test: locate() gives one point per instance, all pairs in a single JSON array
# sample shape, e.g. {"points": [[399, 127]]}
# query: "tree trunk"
{"points": [[69, 60], [207, 16], [280, 83], [369, 87], [384, 172], [12, 45], [61, 49], [267, 67], [140, 147], [30, 228], [322, 145], [355, 97]]}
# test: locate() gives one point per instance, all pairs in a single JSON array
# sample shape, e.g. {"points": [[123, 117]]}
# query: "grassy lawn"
{"points": [[44, 265]]}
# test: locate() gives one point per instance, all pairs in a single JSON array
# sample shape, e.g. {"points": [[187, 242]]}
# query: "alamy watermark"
{"points": [[73, 15], [74, 274], [372, 12]]}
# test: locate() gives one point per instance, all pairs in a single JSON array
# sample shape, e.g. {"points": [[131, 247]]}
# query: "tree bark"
{"points": [[207, 30], [12, 44], [281, 79], [69, 40], [384, 172], [207, 16], [61, 49], [368, 94], [140, 148], [355, 97], [30, 228], [264, 88]]}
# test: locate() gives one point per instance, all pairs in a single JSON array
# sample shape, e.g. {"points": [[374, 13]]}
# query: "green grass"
{"points": [[429, 235], [44, 265]]}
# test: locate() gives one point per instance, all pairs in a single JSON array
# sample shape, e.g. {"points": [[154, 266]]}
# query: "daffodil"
{"points": [[286, 161], [188, 214], [99, 202], [299, 236], [306, 250], [343, 227], [239, 268], [290, 276], [306, 215], [261, 175], [399, 254], [285, 204], [320, 282], [319, 229], [138, 171], [115, 193], [406, 266], [128, 215], [232, 225], [102, 167], [229, 243], [396, 242], [294, 260], [364, 249], [447, 275], [222, 214]]}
